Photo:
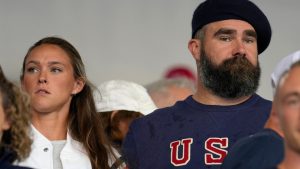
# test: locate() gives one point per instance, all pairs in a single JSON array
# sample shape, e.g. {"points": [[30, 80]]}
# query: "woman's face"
{"points": [[4, 123], [49, 79]]}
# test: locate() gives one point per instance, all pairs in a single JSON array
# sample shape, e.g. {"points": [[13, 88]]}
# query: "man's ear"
{"points": [[273, 122], [194, 46], [78, 86]]}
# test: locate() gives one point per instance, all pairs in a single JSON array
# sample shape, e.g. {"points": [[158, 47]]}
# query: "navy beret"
{"points": [[218, 10]]}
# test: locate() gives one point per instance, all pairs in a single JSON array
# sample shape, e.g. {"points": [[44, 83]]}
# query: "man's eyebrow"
{"points": [[250, 33], [291, 94], [225, 31]]}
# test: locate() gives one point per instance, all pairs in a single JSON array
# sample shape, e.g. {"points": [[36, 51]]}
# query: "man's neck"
{"points": [[206, 97]]}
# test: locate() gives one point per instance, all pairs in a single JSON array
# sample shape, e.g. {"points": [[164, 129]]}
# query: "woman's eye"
{"points": [[56, 70], [32, 69]]}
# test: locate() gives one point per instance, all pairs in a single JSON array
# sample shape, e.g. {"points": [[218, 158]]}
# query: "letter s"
{"points": [[217, 153]]}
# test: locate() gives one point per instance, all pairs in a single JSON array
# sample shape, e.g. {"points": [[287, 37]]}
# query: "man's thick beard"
{"points": [[234, 78]]}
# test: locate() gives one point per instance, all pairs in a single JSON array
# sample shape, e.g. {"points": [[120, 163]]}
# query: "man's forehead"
{"points": [[230, 24]]}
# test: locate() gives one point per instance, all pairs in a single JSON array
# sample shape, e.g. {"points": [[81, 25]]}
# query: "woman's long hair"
{"points": [[84, 124], [15, 104]]}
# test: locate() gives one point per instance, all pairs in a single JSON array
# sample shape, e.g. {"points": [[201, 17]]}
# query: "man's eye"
{"points": [[250, 40], [225, 38], [293, 102]]}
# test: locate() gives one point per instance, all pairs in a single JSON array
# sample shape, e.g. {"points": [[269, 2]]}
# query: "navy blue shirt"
{"points": [[262, 150], [191, 135]]}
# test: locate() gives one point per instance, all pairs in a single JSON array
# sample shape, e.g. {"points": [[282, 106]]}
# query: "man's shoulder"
{"points": [[156, 121], [264, 148], [157, 116], [261, 99], [261, 138], [162, 113], [258, 104]]}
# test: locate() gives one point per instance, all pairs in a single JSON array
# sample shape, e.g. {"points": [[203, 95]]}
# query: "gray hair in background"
{"points": [[163, 84], [283, 66], [283, 74]]}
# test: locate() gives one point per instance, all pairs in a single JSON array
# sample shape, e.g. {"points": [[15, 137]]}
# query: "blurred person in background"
{"points": [[287, 110], [15, 142], [178, 71], [166, 92], [118, 104]]}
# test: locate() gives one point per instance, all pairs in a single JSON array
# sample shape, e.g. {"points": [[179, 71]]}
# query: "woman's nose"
{"points": [[42, 77]]}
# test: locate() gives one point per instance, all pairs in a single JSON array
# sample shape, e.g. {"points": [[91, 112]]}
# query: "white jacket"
{"points": [[73, 155]]}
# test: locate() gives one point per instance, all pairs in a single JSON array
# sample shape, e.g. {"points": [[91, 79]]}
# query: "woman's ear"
{"points": [[78, 86]]}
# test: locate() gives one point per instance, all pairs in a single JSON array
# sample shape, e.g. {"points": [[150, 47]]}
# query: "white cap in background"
{"points": [[283, 66], [123, 95]]}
